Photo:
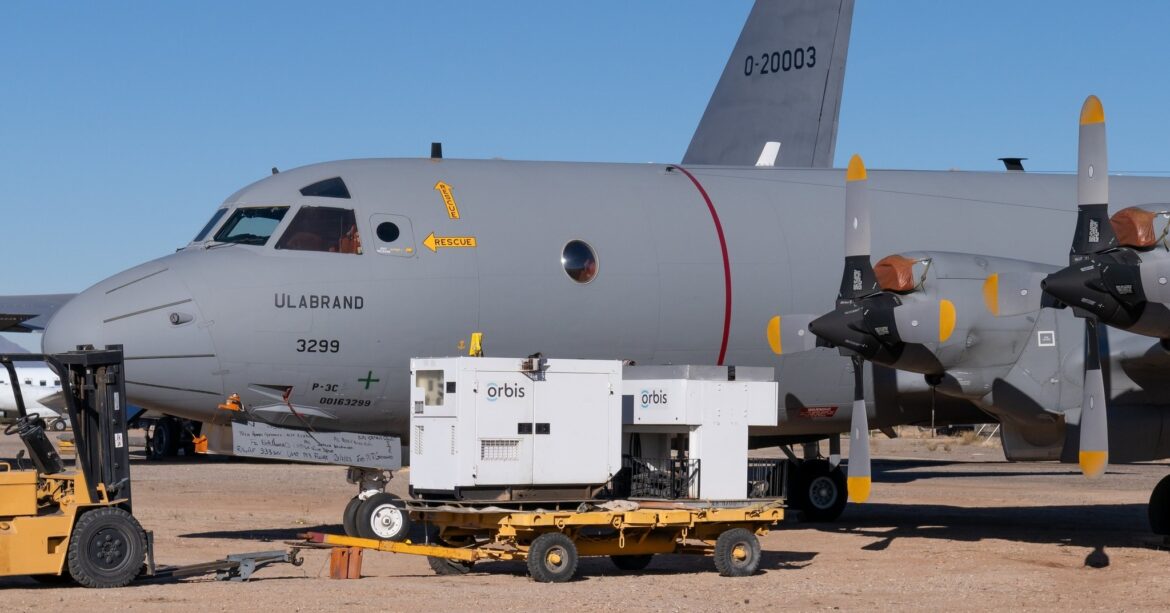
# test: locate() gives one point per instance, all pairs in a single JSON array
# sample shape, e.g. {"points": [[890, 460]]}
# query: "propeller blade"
{"points": [[1013, 293], [859, 479], [858, 278], [926, 321], [1094, 455], [790, 334], [1094, 233]]}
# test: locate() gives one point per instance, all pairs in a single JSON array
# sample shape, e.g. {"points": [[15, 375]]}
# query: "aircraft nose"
{"points": [[151, 312]]}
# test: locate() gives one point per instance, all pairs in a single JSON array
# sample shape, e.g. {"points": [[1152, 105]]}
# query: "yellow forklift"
{"points": [[58, 525]]}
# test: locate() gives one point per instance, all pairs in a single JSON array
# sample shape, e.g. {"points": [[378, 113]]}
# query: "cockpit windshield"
{"points": [[210, 224], [251, 226]]}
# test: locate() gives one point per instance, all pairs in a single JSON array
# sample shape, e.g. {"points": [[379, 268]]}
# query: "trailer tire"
{"points": [[349, 516], [383, 517], [107, 548], [448, 567], [820, 491], [552, 558], [737, 553], [634, 562], [58, 425]]}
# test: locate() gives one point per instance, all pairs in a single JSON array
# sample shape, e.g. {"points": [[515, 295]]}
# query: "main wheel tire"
{"points": [[448, 567], [820, 491], [552, 558], [107, 548], [349, 516], [58, 425], [1159, 508], [164, 439], [635, 562], [737, 553], [384, 517]]}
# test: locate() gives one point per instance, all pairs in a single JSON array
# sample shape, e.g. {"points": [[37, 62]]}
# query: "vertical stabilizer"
{"points": [[782, 83]]}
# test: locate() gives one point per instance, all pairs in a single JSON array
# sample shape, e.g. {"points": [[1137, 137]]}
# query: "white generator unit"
{"points": [[686, 428], [514, 428]]}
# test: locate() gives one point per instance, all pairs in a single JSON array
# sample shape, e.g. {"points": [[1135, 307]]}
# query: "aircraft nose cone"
{"points": [[1080, 286]]}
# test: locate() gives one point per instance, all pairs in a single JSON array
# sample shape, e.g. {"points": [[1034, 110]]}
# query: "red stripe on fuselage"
{"points": [[726, 263]]}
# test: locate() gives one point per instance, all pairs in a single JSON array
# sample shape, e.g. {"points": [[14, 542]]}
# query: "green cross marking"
{"points": [[369, 379]]}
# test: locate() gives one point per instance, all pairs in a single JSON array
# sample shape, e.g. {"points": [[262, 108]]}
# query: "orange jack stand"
{"points": [[345, 563]]}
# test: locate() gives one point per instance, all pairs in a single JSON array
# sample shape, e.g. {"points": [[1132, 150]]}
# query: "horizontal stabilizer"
{"points": [[29, 313]]}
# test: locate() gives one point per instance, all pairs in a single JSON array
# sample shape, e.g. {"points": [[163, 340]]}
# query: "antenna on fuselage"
{"points": [[436, 151], [275, 170]]}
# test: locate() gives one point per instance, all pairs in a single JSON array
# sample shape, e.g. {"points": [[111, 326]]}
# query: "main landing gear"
{"points": [[1159, 508], [816, 487], [374, 513]]}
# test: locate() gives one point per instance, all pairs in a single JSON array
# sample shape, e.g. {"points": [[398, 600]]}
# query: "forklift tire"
{"points": [[737, 553], [820, 492], [552, 558], [383, 517], [164, 439], [635, 562], [349, 516], [107, 548], [448, 567]]}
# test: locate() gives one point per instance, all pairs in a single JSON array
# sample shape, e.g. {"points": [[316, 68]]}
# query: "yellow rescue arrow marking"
{"points": [[434, 243], [448, 199]]}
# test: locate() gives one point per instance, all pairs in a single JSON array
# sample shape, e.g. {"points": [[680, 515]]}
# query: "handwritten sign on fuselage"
{"points": [[257, 440]]}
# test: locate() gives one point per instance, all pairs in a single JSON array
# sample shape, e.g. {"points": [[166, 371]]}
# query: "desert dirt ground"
{"points": [[949, 525]]}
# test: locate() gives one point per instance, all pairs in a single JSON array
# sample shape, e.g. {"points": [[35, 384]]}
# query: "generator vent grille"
{"points": [[453, 448], [499, 450], [418, 440]]}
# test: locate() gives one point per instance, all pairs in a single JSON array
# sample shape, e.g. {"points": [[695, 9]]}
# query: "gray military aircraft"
{"points": [[307, 292]]}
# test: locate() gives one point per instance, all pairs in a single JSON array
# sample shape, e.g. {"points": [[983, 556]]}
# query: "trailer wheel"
{"points": [[445, 566], [349, 516], [737, 553], [635, 562], [107, 548], [384, 517], [552, 558], [58, 425]]}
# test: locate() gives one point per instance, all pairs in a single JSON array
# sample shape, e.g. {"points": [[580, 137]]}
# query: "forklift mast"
{"points": [[93, 384]]}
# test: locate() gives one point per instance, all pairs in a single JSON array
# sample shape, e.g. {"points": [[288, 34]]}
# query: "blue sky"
{"points": [[123, 125]]}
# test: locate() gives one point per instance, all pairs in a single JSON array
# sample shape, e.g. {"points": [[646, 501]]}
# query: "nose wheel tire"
{"points": [[820, 492], [349, 516], [107, 548], [737, 553], [448, 567], [384, 517], [552, 558]]}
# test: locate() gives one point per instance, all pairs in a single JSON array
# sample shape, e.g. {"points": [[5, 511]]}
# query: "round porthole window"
{"points": [[388, 232], [579, 261]]}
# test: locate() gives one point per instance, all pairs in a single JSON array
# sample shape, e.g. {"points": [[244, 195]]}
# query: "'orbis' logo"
{"points": [[650, 397], [496, 391]]}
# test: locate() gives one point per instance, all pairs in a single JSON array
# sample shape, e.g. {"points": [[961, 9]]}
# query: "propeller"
{"points": [[1079, 285], [879, 316]]}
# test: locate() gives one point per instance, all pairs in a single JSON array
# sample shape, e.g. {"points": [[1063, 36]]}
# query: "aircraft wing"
{"points": [[29, 313]]}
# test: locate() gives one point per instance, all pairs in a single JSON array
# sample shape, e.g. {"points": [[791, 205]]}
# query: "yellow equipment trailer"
{"points": [[552, 541]]}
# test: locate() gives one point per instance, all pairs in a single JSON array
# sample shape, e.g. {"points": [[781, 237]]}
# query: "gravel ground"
{"points": [[948, 525]]}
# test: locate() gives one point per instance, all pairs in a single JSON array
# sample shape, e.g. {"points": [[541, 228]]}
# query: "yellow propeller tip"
{"points": [[774, 340], [1092, 111], [946, 320], [856, 171], [859, 488], [1093, 463], [991, 294]]}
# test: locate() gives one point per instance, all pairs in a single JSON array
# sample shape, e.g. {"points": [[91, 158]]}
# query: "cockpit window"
{"points": [[252, 225], [329, 188], [322, 228], [210, 224]]}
